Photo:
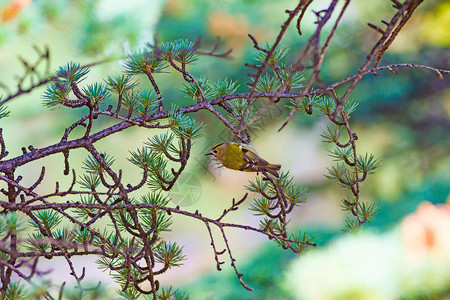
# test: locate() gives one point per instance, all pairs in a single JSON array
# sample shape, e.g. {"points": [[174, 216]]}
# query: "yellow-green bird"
{"points": [[242, 157]]}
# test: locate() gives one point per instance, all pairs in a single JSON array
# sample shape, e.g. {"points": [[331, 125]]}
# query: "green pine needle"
{"points": [[3, 111], [267, 84], [279, 53], [72, 72], [89, 181], [92, 166], [97, 93], [121, 84], [143, 61], [223, 87], [170, 254], [47, 218], [56, 94], [367, 163]]}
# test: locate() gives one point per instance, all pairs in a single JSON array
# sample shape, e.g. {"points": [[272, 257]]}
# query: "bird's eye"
{"points": [[215, 151]]}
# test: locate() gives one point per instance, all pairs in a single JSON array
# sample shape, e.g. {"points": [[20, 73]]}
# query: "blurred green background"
{"points": [[402, 119]]}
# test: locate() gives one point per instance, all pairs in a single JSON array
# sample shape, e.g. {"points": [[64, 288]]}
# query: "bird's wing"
{"points": [[252, 158], [247, 147], [254, 163]]}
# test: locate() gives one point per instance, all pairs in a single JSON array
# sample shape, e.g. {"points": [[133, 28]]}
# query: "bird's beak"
{"points": [[209, 153]]}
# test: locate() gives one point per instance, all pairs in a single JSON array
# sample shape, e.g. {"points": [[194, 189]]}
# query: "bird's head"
{"points": [[217, 151]]}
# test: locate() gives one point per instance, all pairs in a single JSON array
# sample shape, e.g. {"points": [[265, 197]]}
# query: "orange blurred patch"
{"points": [[11, 10], [232, 28], [446, 103], [174, 7], [426, 232]]}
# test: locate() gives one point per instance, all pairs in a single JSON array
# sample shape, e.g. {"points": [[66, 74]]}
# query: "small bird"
{"points": [[242, 157]]}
